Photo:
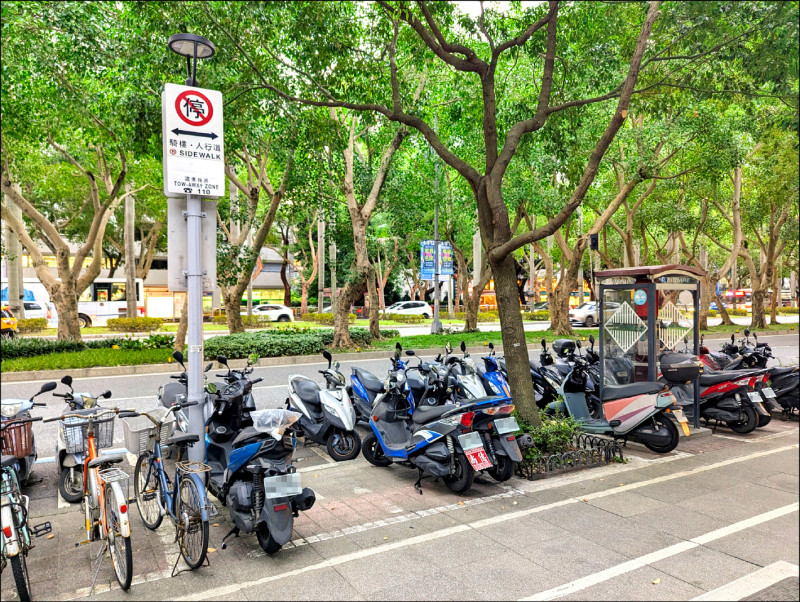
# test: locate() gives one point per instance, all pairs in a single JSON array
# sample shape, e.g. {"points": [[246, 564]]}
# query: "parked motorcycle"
{"points": [[250, 455], [636, 410], [70, 465], [327, 415], [365, 387], [18, 439]]}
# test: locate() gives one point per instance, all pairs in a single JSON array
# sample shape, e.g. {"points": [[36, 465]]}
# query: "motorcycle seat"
{"points": [[246, 433], [783, 370], [105, 460], [535, 365], [9, 461], [715, 378], [182, 438], [425, 414], [369, 380], [307, 391], [611, 392]]}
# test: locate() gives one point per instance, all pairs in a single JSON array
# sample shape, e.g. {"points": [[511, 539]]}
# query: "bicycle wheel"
{"points": [[21, 578], [120, 547], [148, 492], [192, 529]]}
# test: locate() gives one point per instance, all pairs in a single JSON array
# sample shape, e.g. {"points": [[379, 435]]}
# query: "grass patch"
{"points": [[87, 359]]}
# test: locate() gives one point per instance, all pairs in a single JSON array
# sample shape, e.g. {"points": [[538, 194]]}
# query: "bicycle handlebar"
{"points": [[89, 417]]}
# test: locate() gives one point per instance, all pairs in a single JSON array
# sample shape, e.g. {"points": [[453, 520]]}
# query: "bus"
{"points": [[106, 298]]}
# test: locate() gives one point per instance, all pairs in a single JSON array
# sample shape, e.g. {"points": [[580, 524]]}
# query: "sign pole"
{"points": [[436, 325], [194, 285]]}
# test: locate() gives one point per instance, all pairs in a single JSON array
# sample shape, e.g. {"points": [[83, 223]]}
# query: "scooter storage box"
{"points": [[563, 346], [680, 367]]}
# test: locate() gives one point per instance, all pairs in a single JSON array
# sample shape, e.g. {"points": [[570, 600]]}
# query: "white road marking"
{"points": [[230, 590], [637, 563], [754, 582], [62, 503]]}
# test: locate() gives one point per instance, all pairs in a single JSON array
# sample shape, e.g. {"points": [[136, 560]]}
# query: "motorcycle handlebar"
{"points": [[13, 421], [258, 380], [61, 395]]}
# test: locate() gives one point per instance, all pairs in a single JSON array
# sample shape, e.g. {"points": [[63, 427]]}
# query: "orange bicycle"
{"points": [[105, 500]]}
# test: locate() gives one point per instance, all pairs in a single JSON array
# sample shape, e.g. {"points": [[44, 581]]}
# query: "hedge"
{"points": [[247, 321], [277, 344], [325, 318], [404, 318], [542, 315], [33, 346], [788, 310], [134, 324], [483, 316], [32, 325]]}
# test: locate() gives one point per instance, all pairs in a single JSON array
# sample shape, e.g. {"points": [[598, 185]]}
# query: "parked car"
{"points": [[273, 311], [588, 314], [543, 306], [8, 324], [34, 309], [411, 307]]}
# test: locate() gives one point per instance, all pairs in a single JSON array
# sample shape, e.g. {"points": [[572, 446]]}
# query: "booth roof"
{"points": [[652, 272]]}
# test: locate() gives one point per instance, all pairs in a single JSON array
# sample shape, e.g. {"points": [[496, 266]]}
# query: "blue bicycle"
{"points": [[184, 499]]}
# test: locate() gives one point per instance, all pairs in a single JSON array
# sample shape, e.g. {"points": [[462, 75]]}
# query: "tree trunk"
{"points": [[374, 305], [515, 346], [706, 294], [183, 326], [233, 310], [65, 298], [776, 299], [471, 308], [723, 311], [287, 286], [758, 320], [304, 298], [341, 323]]}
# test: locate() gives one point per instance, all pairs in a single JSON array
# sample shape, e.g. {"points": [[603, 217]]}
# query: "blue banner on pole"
{"points": [[445, 259], [427, 262]]}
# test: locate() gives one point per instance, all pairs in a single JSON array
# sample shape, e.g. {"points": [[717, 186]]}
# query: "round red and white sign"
{"points": [[194, 108]]}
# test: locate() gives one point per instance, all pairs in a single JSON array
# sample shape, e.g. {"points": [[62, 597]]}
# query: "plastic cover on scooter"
{"points": [[273, 422]]}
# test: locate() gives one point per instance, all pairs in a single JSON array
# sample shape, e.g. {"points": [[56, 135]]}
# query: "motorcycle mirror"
{"points": [[544, 345], [733, 339], [591, 339], [755, 336], [178, 357], [747, 332], [448, 347], [327, 355], [67, 380], [410, 352], [491, 345], [208, 367], [578, 343], [398, 346], [45, 388], [252, 359], [211, 388], [105, 394], [221, 359], [336, 365], [463, 347]]}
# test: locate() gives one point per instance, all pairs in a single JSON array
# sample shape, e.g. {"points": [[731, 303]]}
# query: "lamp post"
{"points": [[194, 47]]}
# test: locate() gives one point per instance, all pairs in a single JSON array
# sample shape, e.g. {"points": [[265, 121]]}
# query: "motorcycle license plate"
{"points": [[768, 392], [282, 485], [472, 445], [506, 425], [754, 396]]}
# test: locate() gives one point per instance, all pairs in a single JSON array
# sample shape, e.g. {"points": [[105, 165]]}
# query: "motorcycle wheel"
{"points": [[662, 420], [343, 445], [21, 578], [748, 425], [71, 489], [503, 470], [461, 481], [373, 452], [265, 540]]}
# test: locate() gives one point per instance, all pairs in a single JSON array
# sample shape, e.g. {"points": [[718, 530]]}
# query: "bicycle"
{"points": [[104, 501], [16, 539], [185, 498]]}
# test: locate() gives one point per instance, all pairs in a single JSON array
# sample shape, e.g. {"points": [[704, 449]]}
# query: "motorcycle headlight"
{"points": [[495, 388], [9, 410], [88, 401]]}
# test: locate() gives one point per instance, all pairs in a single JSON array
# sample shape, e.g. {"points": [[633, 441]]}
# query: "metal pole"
{"points": [[436, 326], [194, 290], [321, 261], [696, 341], [130, 254], [332, 252], [16, 288]]}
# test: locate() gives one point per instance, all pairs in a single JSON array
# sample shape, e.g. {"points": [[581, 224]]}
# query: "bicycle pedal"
{"points": [[131, 501], [42, 529]]}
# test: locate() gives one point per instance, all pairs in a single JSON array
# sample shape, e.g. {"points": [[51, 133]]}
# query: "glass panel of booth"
{"points": [[625, 346]]}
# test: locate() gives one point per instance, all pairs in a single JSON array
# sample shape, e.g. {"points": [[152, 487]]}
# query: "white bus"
{"points": [[106, 298]]}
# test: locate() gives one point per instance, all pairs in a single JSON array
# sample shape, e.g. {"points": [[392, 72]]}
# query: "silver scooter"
{"points": [[327, 415], [19, 438]]}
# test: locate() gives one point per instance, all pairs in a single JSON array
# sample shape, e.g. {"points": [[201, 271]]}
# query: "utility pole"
{"points": [[580, 271], [130, 253], [16, 289], [332, 253], [321, 260]]}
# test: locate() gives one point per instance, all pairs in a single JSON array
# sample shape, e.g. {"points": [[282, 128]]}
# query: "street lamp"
{"points": [[193, 47]]}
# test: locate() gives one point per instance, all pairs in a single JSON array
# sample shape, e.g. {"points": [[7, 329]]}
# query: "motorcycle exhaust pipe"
{"points": [[524, 441], [305, 500]]}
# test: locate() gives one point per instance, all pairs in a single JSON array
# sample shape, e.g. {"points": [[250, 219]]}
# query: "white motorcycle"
{"points": [[327, 415]]}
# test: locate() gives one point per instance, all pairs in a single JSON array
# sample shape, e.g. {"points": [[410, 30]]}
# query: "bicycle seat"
{"points": [[9, 461], [611, 392], [307, 391], [369, 380], [183, 438], [425, 414], [104, 460]]}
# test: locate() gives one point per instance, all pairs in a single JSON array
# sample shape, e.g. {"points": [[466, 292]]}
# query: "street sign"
{"points": [[194, 152], [445, 259], [177, 232], [427, 259]]}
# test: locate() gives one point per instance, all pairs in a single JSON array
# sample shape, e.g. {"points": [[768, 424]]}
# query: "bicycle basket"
{"points": [[76, 433], [138, 430], [18, 440]]}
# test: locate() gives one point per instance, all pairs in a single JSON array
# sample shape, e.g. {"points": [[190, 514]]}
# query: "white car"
{"points": [[588, 314], [411, 307], [274, 312]]}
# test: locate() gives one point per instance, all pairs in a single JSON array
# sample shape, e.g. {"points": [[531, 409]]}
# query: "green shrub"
{"points": [[88, 358], [219, 319], [788, 310], [32, 325], [325, 318], [737, 312], [713, 313], [256, 321], [554, 436], [483, 316], [134, 324], [404, 318], [542, 315]]}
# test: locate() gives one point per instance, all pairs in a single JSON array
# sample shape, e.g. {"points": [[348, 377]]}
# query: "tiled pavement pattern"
{"points": [[372, 536]]}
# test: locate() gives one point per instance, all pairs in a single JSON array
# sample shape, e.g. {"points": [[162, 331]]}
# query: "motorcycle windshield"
{"points": [[273, 422]]}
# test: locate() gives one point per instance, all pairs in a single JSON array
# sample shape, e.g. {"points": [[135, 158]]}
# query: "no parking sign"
{"points": [[194, 152]]}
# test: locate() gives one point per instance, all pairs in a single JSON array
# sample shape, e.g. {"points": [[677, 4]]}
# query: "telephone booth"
{"points": [[644, 312]]}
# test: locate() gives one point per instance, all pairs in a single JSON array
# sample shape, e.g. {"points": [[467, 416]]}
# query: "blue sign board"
{"points": [[427, 259]]}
